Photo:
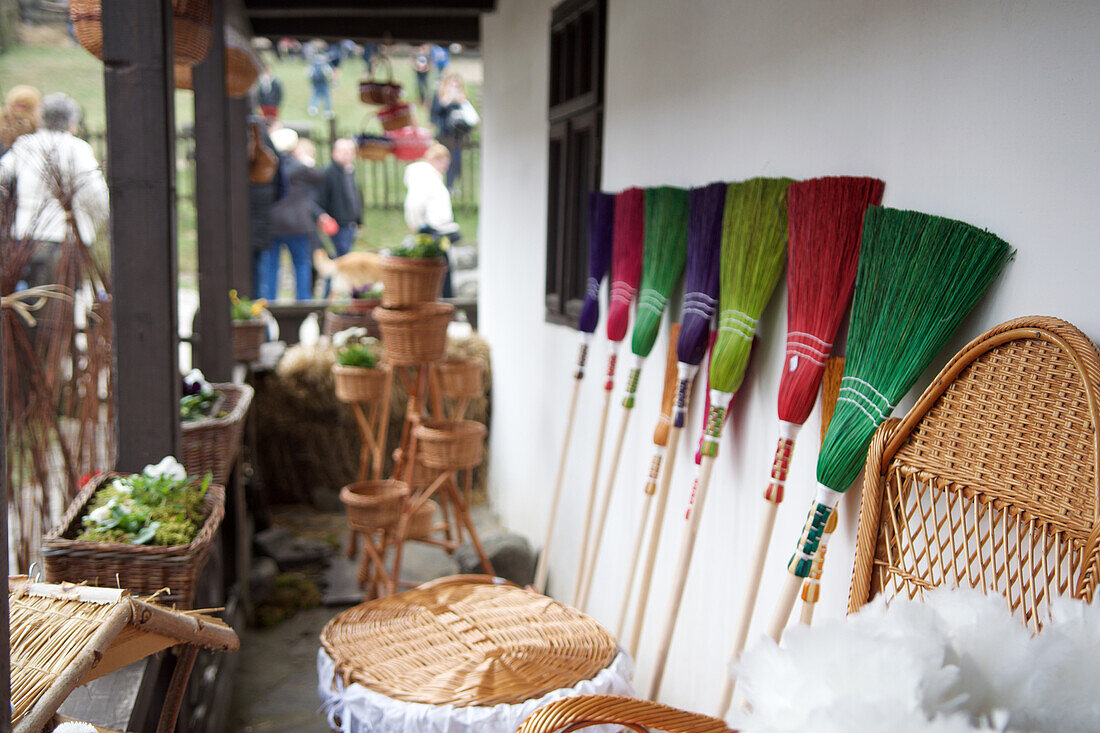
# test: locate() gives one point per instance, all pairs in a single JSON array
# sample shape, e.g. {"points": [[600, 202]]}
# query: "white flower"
{"points": [[103, 513], [169, 467], [121, 486], [341, 338], [195, 377]]}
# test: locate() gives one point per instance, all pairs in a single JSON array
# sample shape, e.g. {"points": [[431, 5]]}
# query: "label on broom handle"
{"points": [[685, 372], [632, 384], [654, 471], [781, 464], [811, 589], [582, 356], [691, 499], [612, 360], [715, 418], [816, 521]]}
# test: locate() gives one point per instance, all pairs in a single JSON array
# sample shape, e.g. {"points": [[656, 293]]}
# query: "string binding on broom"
{"points": [[652, 300], [738, 323], [699, 304], [685, 373], [801, 344], [868, 396], [623, 293]]}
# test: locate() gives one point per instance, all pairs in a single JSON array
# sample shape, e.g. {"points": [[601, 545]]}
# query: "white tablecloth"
{"points": [[360, 710]]}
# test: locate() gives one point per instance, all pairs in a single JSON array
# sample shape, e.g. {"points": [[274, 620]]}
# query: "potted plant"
{"points": [[212, 417], [249, 330], [413, 271], [356, 373], [151, 530]]}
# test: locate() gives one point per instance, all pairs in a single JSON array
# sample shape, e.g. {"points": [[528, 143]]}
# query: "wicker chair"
{"points": [[991, 480]]}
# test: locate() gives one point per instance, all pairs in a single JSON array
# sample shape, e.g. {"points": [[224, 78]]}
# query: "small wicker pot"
{"points": [[359, 384], [460, 378], [415, 334], [374, 505], [450, 445], [341, 320], [211, 445], [247, 337], [422, 521], [192, 24], [141, 569], [411, 280], [422, 476]]}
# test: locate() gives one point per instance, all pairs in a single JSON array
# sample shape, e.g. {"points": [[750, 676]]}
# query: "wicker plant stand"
{"points": [[368, 392], [460, 380], [466, 653], [247, 337], [211, 445], [359, 314], [374, 510], [411, 280], [143, 570]]}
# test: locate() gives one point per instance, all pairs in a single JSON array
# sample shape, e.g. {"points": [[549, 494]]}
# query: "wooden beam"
{"points": [[240, 244], [214, 350], [438, 7], [442, 29], [5, 645], [139, 87]]}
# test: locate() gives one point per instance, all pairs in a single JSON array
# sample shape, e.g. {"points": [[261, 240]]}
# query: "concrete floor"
{"points": [[275, 690]]}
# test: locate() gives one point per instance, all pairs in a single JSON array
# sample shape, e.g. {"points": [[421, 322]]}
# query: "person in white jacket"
{"points": [[49, 172], [428, 202]]}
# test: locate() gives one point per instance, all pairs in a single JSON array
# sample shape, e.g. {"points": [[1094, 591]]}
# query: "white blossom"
{"points": [[103, 513], [195, 377], [341, 338], [169, 467]]}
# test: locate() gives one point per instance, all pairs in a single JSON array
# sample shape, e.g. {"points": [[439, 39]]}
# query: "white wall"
{"points": [[981, 111]]}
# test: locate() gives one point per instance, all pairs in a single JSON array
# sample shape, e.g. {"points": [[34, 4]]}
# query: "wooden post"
{"points": [[139, 86], [214, 350], [240, 228], [5, 645]]}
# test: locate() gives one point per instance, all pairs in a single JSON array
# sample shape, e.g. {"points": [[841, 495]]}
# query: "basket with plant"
{"points": [[355, 313], [212, 417], [413, 272], [151, 531], [357, 374], [249, 330]]}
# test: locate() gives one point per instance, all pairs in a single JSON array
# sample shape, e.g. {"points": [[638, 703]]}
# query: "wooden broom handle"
{"points": [[639, 538], [787, 596]]}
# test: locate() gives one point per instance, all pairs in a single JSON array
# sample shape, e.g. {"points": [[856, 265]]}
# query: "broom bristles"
{"points": [[601, 222], [826, 219], [704, 248], [668, 396], [754, 249], [626, 259], [919, 275], [666, 213]]}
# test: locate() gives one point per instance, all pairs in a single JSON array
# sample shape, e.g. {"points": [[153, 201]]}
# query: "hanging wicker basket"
{"points": [[409, 280], [211, 444], [373, 90], [414, 334], [359, 384], [247, 337], [396, 116], [374, 505], [192, 23], [446, 445], [460, 378], [141, 569], [242, 67], [370, 147]]}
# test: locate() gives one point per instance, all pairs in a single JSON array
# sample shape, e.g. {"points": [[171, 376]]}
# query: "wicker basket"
{"points": [[396, 116], [373, 148], [460, 378], [415, 334], [337, 321], [422, 521], [143, 570], [374, 505], [192, 23], [450, 445], [359, 384], [411, 280], [422, 476], [242, 68], [247, 337], [211, 445]]}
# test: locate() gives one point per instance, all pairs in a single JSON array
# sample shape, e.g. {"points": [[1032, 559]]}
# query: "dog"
{"points": [[350, 272]]}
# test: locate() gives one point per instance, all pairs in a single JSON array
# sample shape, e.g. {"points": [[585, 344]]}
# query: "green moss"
{"points": [[178, 514]]}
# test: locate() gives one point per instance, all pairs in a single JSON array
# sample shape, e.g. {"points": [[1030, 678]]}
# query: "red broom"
{"points": [[626, 272], [825, 218]]}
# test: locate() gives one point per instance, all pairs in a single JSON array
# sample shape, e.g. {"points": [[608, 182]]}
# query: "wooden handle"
{"points": [[676, 593], [811, 587], [589, 568], [639, 538], [784, 606], [594, 482], [544, 557]]}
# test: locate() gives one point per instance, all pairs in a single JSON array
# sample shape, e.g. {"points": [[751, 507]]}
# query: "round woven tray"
{"points": [[466, 644], [374, 505], [449, 445], [460, 378], [414, 334], [409, 280], [358, 384]]}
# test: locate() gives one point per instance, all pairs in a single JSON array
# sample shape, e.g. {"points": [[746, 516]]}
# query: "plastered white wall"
{"points": [[983, 111]]}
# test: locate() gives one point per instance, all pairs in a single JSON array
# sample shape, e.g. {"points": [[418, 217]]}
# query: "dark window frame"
{"points": [[578, 39]]}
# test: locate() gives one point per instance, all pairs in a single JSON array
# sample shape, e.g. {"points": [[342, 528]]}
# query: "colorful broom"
{"points": [[704, 248], [754, 249], [628, 237], [666, 212], [601, 219], [830, 392], [919, 275], [825, 218], [660, 442]]}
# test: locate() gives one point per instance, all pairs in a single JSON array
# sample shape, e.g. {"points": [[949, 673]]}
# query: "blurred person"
{"points": [[320, 75], [261, 197], [454, 117], [269, 94], [422, 66], [341, 199], [294, 217], [441, 59], [20, 116], [428, 203], [49, 171], [370, 50]]}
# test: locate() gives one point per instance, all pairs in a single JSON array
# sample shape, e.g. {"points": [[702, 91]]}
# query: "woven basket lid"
{"points": [[464, 643]]}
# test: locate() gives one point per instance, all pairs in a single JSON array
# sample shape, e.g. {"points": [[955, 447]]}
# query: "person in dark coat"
{"points": [[450, 114], [269, 95], [341, 199], [261, 197]]}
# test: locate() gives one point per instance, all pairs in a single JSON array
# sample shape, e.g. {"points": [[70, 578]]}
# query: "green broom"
{"points": [[919, 275], [754, 250], [666, 215]]}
